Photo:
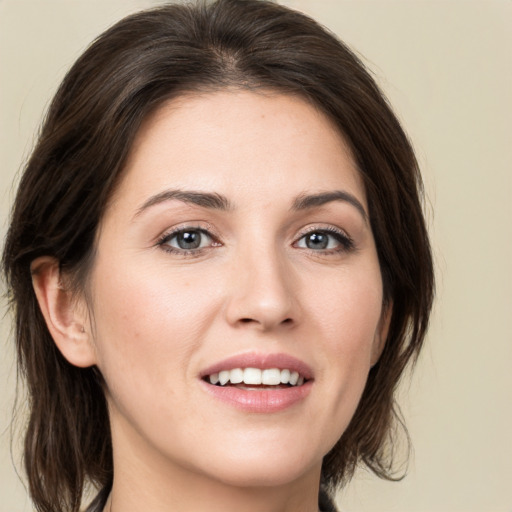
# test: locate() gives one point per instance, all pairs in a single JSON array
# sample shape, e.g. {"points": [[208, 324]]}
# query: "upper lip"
{"points": [[262, 361]]}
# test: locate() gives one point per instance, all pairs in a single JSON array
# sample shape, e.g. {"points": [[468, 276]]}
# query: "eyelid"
{"points": [[204, 227]]}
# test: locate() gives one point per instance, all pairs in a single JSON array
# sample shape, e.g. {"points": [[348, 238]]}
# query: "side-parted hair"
{"points": [[129, 71]]}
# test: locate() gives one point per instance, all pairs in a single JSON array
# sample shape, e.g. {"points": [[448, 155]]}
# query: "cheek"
{"points": [[349, 310], [347, 319], [147, 324]]}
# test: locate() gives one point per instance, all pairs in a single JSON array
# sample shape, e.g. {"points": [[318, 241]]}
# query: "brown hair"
{"points": [[130, 70]]}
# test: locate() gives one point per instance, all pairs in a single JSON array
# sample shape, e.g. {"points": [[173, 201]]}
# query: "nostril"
{"points": [[249, 320]]}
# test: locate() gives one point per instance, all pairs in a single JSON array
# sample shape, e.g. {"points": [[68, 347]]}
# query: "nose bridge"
{"points": [[263, 290]]}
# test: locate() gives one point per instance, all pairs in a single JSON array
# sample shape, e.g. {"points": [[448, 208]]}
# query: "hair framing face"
{"points": [[131, 69]]}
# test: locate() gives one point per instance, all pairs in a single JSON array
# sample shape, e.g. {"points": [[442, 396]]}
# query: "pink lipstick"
{"points": [[262, 383]]}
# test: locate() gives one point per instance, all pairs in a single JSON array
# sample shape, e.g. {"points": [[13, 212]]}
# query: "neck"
{"points": [[145, 481], [212, 498]]}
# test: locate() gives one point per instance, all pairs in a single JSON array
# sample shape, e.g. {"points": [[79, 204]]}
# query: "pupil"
{"points": [[189, 240], [317, 241]]}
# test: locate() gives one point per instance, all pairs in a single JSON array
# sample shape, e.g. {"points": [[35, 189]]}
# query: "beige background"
{"points": [[447, 68]]}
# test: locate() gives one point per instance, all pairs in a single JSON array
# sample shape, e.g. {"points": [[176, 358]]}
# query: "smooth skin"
{"points": [[182, 281]]}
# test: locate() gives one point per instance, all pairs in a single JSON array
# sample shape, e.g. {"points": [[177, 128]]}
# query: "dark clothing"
{"points": [[325, 503]]}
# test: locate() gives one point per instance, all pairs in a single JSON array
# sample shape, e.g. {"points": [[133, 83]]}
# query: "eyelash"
{"points": [[346, 243]]}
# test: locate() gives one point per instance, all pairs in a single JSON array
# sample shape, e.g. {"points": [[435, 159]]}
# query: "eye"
{"points": [[187, 240], [325, 240]]}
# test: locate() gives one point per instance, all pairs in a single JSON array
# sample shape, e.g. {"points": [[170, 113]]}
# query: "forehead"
{"points": [[241, 144]]}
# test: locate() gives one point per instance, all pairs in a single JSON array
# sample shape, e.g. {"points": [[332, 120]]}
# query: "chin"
{"points": [[252, 466], [271, 473]]}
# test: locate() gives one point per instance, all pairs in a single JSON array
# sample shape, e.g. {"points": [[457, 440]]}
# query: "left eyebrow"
{"points": [[304, 202]]}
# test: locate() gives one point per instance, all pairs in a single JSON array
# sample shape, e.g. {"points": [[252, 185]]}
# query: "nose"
{"points": [[263, 293]]}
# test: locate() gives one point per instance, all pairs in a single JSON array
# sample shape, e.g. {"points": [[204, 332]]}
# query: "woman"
{"points": [[219, 267]]}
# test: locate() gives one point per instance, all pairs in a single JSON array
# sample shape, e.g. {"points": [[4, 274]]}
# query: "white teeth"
{"points": [[224, 377], [271, 377], [236, 376], [255, 377], [252, 376]]}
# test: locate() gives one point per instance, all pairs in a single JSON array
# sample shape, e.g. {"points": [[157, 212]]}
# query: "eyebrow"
{"points": [[217, 201], [304, 202], [204, 199]]}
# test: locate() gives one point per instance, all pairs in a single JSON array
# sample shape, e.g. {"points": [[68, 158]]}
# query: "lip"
{"points": [[265, 400]]}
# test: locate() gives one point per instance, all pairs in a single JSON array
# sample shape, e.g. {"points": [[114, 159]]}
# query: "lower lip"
{"points": [[260, 400]]}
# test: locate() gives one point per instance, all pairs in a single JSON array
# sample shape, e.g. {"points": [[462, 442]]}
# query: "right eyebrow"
{"points": [[203, 199]]}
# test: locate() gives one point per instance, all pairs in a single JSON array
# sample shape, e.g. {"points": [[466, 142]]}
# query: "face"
{"points": [[236, 293]]}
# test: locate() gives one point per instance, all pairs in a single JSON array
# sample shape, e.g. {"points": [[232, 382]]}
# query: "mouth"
{"points": [[259, 383], [257, 378]]}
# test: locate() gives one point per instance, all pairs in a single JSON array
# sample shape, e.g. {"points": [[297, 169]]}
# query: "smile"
{"points": [[259, 383], [257, 377]]}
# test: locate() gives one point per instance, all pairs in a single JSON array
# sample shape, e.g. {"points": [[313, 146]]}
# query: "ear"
{"points": [[381, 334], [66, 315]]}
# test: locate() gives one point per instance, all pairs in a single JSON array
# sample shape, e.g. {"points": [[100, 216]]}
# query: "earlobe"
{"points": [[66, 316], [381, 333]]}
